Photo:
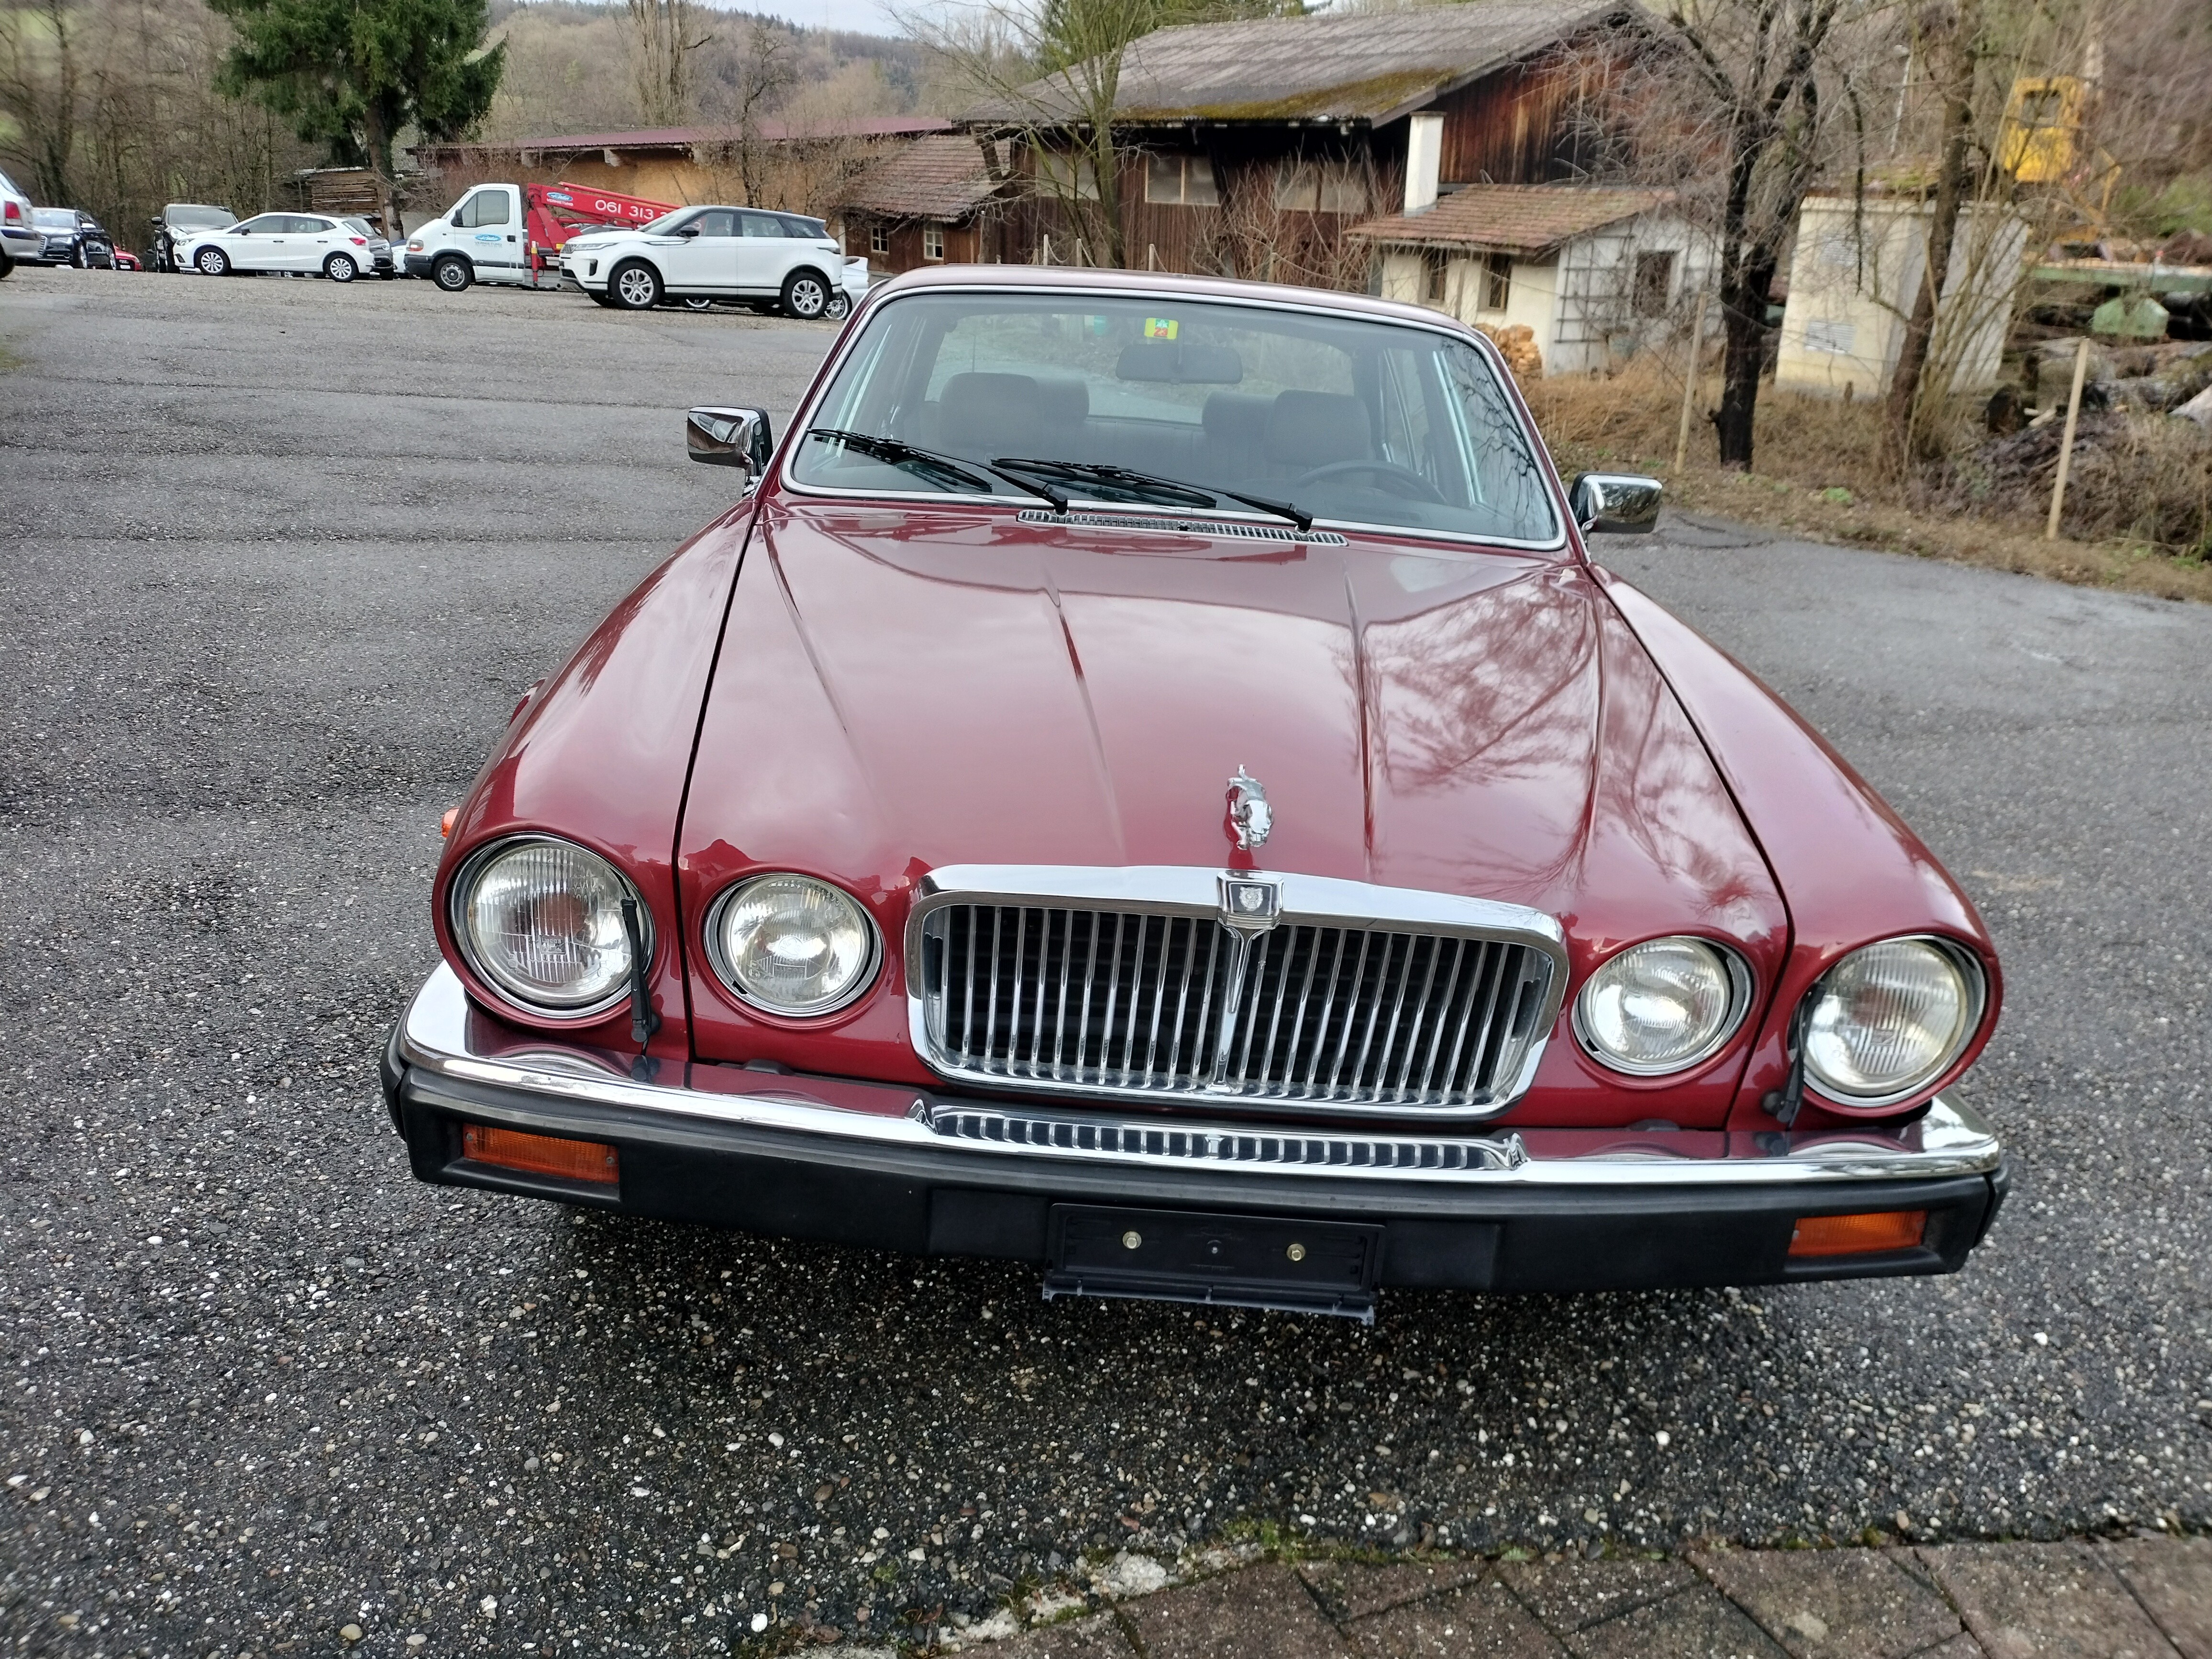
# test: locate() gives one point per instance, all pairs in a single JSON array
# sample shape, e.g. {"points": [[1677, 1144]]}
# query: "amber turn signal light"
{"points": [[445, 823], [546, 1155], [1858, 1235]]}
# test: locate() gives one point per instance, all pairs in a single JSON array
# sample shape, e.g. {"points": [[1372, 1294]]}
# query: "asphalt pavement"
{"points": [[284, 555]]}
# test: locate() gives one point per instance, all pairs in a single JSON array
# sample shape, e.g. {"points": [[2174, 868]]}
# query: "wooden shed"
{"points": [[1251, 145], [932, 202]]}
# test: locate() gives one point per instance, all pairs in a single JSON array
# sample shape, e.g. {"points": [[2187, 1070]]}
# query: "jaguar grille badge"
{"points": [[1250, 817]]}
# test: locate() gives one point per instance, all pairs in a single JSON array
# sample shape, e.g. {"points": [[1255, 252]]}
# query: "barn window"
{"points": [[1181, 181], [933, 241], [879, 238], [1301, 187], [1434, 267], [1068, 177], [1497, 281], [1655, 278]]}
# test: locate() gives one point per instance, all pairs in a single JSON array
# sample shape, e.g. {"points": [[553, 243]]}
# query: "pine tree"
{"points": [[353, 75]]}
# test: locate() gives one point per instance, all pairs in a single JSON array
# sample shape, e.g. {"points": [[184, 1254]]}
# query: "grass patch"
{"points": [[1819, 475]]}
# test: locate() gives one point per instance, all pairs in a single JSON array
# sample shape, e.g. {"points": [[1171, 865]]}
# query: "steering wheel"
{"points": [[1421, 490]]}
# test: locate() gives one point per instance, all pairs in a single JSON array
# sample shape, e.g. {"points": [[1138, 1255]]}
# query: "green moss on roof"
{"points": [[1376, 95]]}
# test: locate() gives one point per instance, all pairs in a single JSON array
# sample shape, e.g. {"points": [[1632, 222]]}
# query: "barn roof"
{"points": [[939, 177], [1512, 218], [1370, 67]]}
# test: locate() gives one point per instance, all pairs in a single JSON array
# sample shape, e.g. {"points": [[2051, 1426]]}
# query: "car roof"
{"points": [[1136, 283]]}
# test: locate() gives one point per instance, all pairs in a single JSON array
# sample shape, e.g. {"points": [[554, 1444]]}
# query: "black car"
{"points": [[177, 224], [74, 238]]}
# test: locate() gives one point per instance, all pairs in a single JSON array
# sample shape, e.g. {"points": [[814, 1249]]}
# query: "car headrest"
{"points": [[1315, 428], [985, 414], [1236, 418], [1064, 398]]}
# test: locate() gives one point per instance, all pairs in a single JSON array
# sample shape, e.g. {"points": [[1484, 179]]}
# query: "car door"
{"points": [[312, 240], [701, 255], [487, 232], [764, 253], [256, 245]]}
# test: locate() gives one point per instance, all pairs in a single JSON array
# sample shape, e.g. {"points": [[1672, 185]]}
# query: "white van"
{"points": [[482, 237]]}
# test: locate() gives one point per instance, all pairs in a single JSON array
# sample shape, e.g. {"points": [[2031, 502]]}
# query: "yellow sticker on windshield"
{"points": [[1161, 328]]}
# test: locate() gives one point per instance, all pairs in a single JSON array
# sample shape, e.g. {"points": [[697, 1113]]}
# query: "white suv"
{"points": [[20, 235], [718, 253]]}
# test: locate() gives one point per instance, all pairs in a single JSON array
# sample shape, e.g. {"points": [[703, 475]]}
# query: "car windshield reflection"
{"points": [[1169, 400]]}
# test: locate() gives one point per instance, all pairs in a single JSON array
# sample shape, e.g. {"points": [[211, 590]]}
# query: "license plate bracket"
{"points": [[1225, 1260]]}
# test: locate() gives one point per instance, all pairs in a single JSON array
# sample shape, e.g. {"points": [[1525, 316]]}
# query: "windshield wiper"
{"points": [[897, 450], [1192, 495]]}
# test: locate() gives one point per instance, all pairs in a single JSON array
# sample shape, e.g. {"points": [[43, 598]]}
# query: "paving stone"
{"points": [[1350, 1589], [1961, 1646], [1477, 1621], [1265, 1613], [1693, 1624], [1828, 1604], [1569, 1594], [1098, 1637], [2173, 1578], [2045, 1601]]}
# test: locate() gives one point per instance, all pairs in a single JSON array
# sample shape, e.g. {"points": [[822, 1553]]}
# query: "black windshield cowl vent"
{"points": [[1232, 528]]}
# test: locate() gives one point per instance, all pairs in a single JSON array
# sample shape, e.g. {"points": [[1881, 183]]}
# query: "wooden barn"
{"points": [[1250, 147], [934, 202]]}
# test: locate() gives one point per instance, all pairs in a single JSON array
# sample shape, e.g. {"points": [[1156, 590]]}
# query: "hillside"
{"points": [[568, 69]]}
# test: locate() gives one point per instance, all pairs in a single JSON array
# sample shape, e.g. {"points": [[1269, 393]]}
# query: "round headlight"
{"points": [[792, 945], [542, 920], [1662, 1006], [1890, 1018]]}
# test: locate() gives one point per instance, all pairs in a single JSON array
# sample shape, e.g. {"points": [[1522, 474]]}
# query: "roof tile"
{"points": [[1512, 218]]}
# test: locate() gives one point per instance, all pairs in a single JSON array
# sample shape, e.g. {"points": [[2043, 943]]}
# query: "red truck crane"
{"points": [[513, 233]]}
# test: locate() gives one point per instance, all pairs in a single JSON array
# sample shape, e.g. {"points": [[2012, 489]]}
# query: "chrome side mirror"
{"points": [[1614, 503], [730, 437]]}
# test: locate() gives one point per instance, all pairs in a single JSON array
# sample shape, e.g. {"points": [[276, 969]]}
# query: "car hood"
{"points": [[899, 690]]}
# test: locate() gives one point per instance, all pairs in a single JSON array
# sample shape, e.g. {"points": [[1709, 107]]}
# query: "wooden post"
{"points": [[2066, 443], [1044, 254], [1151, 256], [1079, 251], [1690, 376]]}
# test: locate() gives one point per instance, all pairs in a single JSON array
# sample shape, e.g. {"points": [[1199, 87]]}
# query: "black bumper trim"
{"points": [[927, 1201]]}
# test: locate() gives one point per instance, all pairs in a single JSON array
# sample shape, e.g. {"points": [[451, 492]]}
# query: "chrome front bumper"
{"points": [[444, 1036]]}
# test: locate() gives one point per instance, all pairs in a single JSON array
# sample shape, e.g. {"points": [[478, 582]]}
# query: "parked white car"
{"points": [[310, 243], [20, 235], [718, 253]]}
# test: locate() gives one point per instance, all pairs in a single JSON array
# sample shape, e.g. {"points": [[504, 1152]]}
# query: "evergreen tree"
{"points": [[353, 75]]}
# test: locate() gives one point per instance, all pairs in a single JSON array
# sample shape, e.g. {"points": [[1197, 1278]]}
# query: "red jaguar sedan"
{"points": [[1146, 779]]}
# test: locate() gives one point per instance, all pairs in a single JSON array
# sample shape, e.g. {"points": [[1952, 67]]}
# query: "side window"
{"points": [[265, 225], [760, 224], [720, 223], [486, 207]]}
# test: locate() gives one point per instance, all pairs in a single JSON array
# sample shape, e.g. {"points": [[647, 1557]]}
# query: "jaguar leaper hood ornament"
{"points": [[1250, 817]]}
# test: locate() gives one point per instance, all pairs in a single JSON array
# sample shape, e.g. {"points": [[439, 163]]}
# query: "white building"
{"points": [[1595, 274], [1858, 266]]}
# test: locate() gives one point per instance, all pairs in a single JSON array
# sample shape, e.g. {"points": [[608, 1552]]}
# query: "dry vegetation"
{"points": [[570, 68], [1820, 474]]}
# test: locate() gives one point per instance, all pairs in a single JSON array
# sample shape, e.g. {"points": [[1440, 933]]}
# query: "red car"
{"points": [[1148, 781]]}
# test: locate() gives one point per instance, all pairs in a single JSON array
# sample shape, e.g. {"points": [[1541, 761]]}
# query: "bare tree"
{"points": [[664, 33], [1731, 104], [765, 81], [41, 86]]}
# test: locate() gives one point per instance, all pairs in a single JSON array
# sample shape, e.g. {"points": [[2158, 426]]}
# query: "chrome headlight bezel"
{"points": [[1739, 1008], [463, 889], [1974, 976], [726, 973]]}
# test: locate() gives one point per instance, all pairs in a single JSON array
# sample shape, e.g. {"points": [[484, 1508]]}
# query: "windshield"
{"points": [[185, 216], [1348, 418]]}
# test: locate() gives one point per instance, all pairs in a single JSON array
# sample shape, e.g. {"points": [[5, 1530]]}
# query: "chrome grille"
{"points": [[1139, 1002], [1219, 1143]]}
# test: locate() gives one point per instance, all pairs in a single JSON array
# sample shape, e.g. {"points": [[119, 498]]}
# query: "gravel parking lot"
{"points": [[284, 555]]}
